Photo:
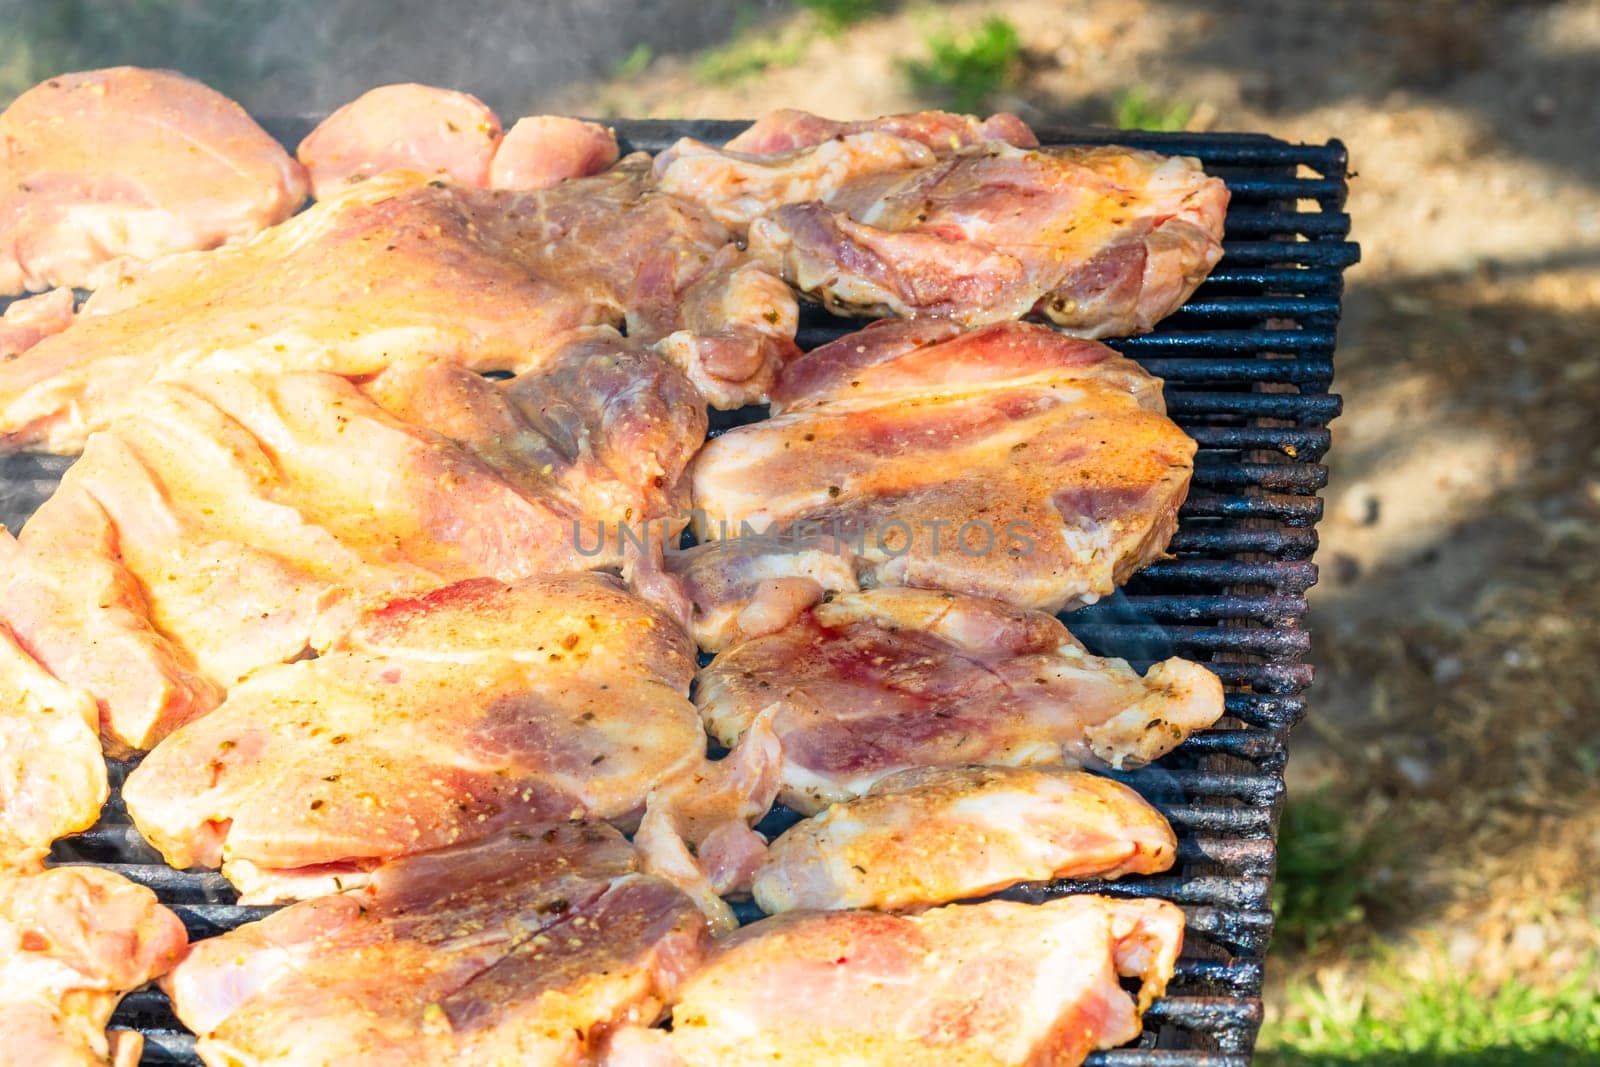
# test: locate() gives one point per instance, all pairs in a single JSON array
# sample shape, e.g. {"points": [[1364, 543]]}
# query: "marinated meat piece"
{"points": [[739, 588], [77, 609], [241, 520], [437, 132], [788, 130], [544, 150], [982, 985], [495, 281], [868, 684], [438, 720], [1102, 241], [73, 940], [52, 776], [27, 322], [1008, 462], [525, 948], [738, 188], [933, 835], [125, 162]]}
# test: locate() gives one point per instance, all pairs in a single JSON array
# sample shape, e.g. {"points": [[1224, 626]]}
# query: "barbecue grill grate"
{"points": [[1248, 363]]}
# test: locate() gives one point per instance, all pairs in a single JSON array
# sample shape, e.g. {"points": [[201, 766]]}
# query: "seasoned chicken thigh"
{"points": [[73, 940], [52, 776], [437, 720], [788, 130], [437, 132], [869, 684], [982, 985], [937, 834], [525, 948], [1102, 241], [125, 162], [240, 520], [1008, 462], [398, 266], [540, 151]]}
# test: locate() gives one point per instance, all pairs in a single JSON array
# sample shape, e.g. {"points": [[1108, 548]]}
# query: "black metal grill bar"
{"points": [[1271, 608], [1312, 409], [1292, 511]]}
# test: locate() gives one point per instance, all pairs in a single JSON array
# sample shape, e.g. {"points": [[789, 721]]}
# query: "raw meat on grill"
{"points": [[788, 130], [73, 940], [85, 618], [981, 985], [52, 776], [737, 188], [526, 948], [396, 266], [27, 322], [869, 684], [1102, 241], [437, 720], [241, 520], [1008, 462], [739, 588], [933, 835], [125, 162], [439, 133], [544, 150]]}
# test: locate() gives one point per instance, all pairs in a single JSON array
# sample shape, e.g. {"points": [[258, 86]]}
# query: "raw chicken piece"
{"points": [[241, 520], [73, 940], [1103, 241], [522, 949], [437, 720], [739, 588], [27, 322], [1008, 462], [871, 683], [52, 776], [134, 163], [544, 150], [982, 985], [437, 132], [76, 608], [738, 188], [933, 835], [788, 130], [396, 266]]}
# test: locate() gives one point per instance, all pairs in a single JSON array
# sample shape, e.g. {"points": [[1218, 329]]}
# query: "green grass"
{"points": [[1137, 109], [835, 16], [1440, 1021], [1325, 884], [636, 62], [965, 71]]}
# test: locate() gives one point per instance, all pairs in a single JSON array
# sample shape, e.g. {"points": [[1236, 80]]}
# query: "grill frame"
{"points": [[1248, 364]]}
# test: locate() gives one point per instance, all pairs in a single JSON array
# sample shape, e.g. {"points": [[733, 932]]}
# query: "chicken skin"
{"points": [[73, 940], [937, 834], [1008, 462], [981, 985], [525, 948], [873, 683], [125, 163]]}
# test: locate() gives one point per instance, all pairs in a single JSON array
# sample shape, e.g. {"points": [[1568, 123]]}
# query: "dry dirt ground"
{"points": [[1456, 722]]}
